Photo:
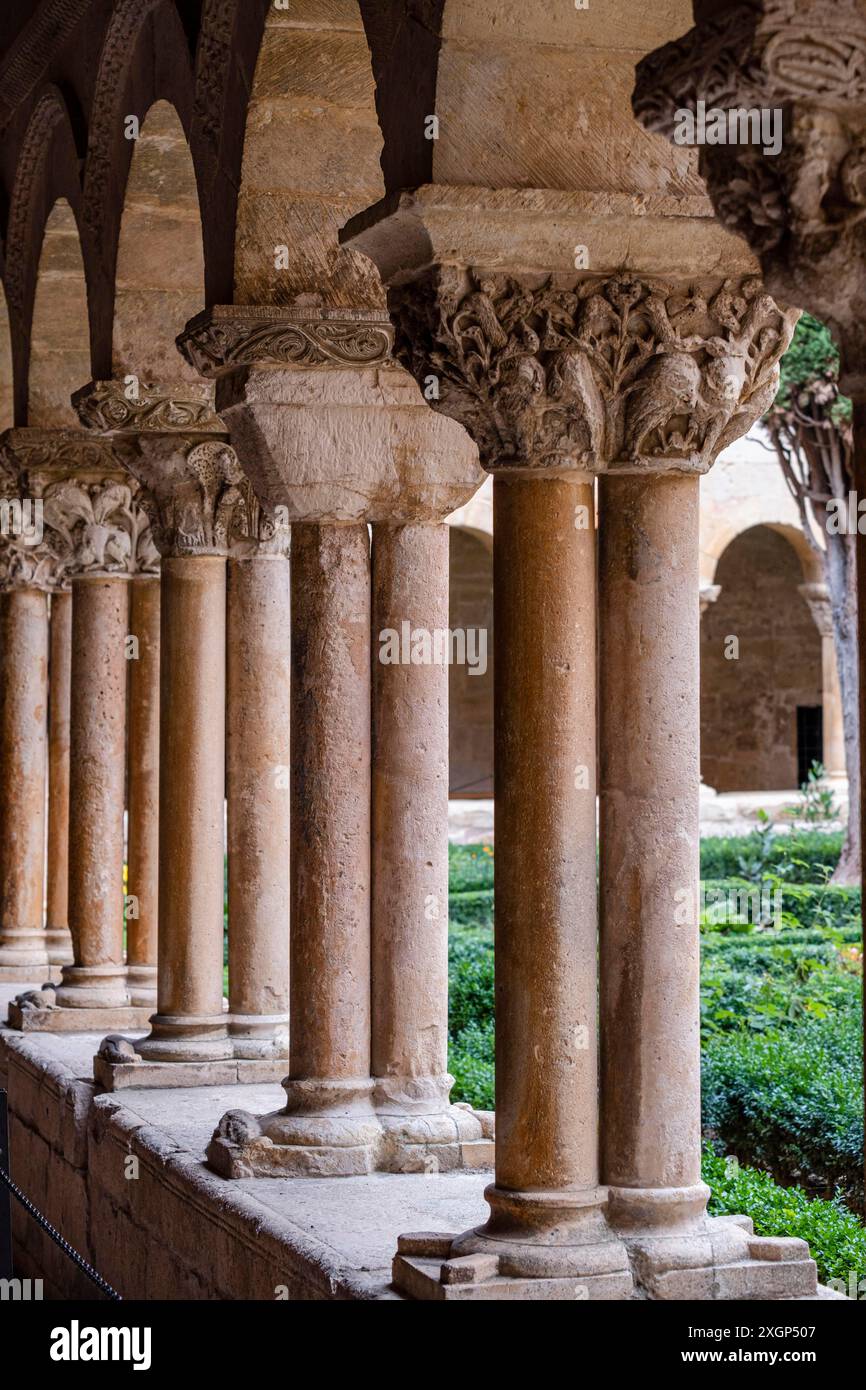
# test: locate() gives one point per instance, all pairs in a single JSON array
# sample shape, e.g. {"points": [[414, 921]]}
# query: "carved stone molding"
{"points": [[231, 336], [817, 598], [134, 407], [801, 210], [92, 519], [620, 373]]}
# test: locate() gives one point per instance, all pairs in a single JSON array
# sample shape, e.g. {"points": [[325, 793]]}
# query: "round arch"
{"points": [[59, 336], [159, 282], [761, 666]]}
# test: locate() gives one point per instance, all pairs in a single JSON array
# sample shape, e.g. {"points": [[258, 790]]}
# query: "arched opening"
{"points": [[761, 674], [7, 391], [60, 336], [160, 259], [470, 688], [311, 160]]}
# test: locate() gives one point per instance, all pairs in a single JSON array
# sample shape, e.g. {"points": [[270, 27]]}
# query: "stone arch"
{"points": [[311, 160], [59, 339], [7, 386], [749, 704], [160, 255], [144, 59], [470, 696], [46, 170]]}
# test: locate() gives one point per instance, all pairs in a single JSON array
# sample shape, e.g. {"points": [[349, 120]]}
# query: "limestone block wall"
{"points": [[136, 1204], [749, 704]]}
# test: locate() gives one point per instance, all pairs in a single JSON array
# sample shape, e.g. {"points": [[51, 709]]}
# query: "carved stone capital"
{"points": [[613, 374], [801, 209], [228, 337], [194, 491], [91, 519]]}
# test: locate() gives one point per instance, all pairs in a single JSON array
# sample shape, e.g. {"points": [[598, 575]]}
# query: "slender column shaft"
{"points": [[330, 938], [410, 820], [545, 875], [97, 763], [257, 769], [650, 777], [143, 793], [58, 937], [834, 729], [23, 758], [190, 1024]]}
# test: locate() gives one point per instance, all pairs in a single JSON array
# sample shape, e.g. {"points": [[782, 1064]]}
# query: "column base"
{"points": [[38, 1011], [28, 975], [260, 1037], [536, 1245], [422, 1132], [141, 983], [678, 1252], [93, 987], [58, 944], [185, 1038], [118, 1066], [23, 956]]}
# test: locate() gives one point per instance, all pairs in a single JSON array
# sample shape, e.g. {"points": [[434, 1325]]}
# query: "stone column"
{"points": [[410, 854], [649, 834], [95, 531], [817, 597], [23, 758], [57, 935], [336, 435], [97, 761], [558, 379], [142, 885], [258, 654]]}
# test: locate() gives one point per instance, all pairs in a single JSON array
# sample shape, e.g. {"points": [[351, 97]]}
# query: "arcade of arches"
{"points": [[287, 289]]}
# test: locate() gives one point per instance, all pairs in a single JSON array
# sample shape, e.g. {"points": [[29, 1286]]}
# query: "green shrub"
{"points": [[802, 856], [470, 981], [472, 909], [470, 1061], [470, 867], [826, 907], [792, 1102], [836, 1238]]}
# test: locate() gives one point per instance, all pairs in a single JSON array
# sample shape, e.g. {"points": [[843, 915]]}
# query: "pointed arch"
{"points": [[59, 335]]}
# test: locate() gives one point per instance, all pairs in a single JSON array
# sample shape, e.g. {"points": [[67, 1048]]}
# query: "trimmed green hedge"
{"points": [[802, 856], [792, 1102], [836, 1238], [822, 906], [470, 867]]}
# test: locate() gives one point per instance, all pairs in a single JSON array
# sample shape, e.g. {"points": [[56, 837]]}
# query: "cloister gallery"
{"points": [[297, 277]]}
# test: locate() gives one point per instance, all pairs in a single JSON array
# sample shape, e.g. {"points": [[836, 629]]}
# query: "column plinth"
{"points": [[58, 938]]}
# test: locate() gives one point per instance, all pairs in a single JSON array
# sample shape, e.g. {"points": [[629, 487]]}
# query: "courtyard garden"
{"points": [[781, 985]]}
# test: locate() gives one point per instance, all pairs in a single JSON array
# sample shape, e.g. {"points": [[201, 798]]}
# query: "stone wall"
{"points": [[749, 705]]}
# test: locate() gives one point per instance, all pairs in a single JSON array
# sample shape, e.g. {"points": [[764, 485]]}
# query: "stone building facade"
{"points": [[283, 283]]}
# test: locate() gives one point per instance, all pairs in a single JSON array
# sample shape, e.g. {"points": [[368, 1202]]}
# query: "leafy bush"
{"points": [[836, 1238], [808, 856], [792, 1102], [824, 906], [474, 909], [470, 1061], [470, 867]]}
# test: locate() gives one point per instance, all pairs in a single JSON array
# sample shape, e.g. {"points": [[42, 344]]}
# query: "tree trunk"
{"points": [[841, 579]]}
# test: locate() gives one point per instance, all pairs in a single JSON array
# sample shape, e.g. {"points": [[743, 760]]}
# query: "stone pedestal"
{"points": [[58, 938], [142, 885]]}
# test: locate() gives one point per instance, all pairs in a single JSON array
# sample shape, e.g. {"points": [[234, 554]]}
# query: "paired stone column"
{"points": [[27, 576], [58, 938], [98, 534], [142, 886], [199, 504], [817, 597], [559, 379], [338, 437], [258, 713]]}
